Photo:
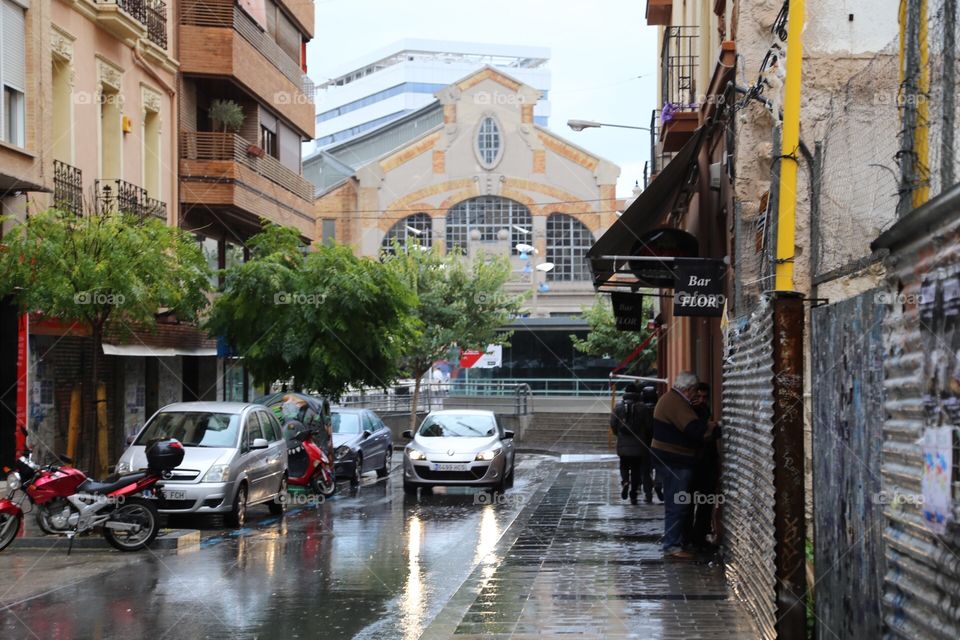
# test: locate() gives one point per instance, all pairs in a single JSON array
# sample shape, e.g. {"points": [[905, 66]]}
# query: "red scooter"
{"points": [[68, 502], [308, 464]]}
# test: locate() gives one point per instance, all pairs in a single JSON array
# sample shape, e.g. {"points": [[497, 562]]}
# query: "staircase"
{"points": [[569, 433]]}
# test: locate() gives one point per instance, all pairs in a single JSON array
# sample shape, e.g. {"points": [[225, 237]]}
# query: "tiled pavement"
{"points": [[579, 561]]}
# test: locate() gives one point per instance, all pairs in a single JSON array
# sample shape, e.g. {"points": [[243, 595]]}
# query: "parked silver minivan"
{"points": [[235, 457]]}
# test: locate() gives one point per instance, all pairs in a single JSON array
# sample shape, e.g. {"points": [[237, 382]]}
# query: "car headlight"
{"points": [[13, 481], [217, 473], [123, 467], [416, 454], [489, 454], [342, 452]]}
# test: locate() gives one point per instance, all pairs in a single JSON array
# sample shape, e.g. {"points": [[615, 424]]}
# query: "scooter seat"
{"points": [[110, 483]]}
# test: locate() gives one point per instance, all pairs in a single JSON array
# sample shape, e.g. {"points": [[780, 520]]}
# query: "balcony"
{"points": [[120, 196], [678, 59], [209, 46], [659, 12], [134, 19], [225, 169], [67, 187]]}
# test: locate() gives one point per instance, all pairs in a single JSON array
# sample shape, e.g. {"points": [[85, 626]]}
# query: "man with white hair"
{"points": [[678, 432]]}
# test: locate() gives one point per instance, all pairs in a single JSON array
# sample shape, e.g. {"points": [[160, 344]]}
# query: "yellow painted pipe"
{"points": [[787, 218], [73, 425], [921, 137], [103, 459]]}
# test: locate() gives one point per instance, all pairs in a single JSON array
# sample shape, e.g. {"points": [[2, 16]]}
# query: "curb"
{"points": [[167, 540]]}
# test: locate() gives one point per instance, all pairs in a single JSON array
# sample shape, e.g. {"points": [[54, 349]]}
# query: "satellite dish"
{"points": [[545, 266]]}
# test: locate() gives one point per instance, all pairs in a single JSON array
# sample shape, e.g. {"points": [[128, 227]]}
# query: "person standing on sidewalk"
{"points": [[678, 433], [631, 423], [706, 474], [649, 397]]}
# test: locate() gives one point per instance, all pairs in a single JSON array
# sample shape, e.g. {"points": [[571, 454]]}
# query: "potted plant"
{"points": [[227, 116], [255, 150]]}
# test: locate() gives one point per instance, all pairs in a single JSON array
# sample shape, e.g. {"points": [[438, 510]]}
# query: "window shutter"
{"points": [[14, 70], [288, 37]]}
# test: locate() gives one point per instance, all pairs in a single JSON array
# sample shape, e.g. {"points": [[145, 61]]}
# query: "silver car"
{"points": [[235, 457], [458, 448]]}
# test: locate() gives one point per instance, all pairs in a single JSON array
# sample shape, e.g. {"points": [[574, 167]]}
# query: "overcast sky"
{"points": [[597, 51]]}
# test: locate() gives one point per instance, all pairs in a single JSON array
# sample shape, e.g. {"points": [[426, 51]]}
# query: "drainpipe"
{"points": [[786, 220]]}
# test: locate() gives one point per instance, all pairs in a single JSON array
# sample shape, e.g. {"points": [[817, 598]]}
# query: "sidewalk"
{"points": [[581, 561]]}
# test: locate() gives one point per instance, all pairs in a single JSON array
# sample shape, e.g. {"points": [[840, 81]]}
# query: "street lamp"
{"points": [[580, 125]]}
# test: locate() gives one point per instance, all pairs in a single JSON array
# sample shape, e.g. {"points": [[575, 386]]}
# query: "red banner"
{"points": [[23, 361]]}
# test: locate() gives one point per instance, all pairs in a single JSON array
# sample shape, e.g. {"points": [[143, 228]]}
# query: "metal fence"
{"points": [[501, 397]]}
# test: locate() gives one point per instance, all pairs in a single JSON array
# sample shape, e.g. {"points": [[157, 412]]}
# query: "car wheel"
{"points": [[279, 504], [357, 472], [237, 518], [409, 488], [384, 471]]}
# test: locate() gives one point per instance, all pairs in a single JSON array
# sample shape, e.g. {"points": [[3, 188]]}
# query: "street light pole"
{"points": [[580, 125]]}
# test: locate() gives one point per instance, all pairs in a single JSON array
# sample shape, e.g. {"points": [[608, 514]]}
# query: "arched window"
{"points": [[418, 226], [486, 219], [568, 241], [489, 142]]}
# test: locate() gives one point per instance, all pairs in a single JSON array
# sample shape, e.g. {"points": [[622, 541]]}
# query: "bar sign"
{"points": [[628, 311]]}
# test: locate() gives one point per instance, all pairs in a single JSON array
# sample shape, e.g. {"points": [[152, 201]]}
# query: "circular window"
{"points": [[489, 142]]}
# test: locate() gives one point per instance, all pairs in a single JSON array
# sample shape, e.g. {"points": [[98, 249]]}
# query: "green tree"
{"points": [[324, 318], [100, 269], [457, 304], [605, 341]]}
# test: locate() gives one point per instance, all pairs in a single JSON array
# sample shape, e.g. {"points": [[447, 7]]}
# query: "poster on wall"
{"points": [[935, 482], [256, 9]]}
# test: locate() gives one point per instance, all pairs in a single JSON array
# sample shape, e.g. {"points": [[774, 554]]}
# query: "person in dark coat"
{"points": [[631, 423], [706, 475], [649, 398]]}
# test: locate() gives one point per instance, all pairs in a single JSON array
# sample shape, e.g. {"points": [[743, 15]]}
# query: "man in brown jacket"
{"points": [[678, 433]]}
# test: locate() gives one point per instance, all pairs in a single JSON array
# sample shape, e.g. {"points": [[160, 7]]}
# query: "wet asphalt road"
{"points": [[369, 563]]}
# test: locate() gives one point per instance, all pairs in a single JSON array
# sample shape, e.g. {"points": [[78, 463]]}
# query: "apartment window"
{"points": [[111, 134], [568, 241], [152, 150], [13, 72], [488, 142], [62, 116], [329, 233], [268, 141]]}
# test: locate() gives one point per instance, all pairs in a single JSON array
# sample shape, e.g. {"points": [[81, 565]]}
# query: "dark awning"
{"points": [[648, 212]]}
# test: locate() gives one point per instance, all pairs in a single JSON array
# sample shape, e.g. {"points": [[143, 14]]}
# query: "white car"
{"points": [[234, 457], [459, 448]]}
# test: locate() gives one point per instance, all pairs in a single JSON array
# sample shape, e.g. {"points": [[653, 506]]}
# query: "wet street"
{"points": [[558, 554]]}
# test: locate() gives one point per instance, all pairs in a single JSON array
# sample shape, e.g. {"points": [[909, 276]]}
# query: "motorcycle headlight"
{"points": [[217, 473], [123, 467], [342, 452], [416, 454], [489, 454], [13, 481]]}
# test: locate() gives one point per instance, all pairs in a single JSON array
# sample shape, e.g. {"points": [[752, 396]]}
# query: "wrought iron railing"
{"points": [[156, 12], [678, 60], [503, 398], [120, 196], [67, 187]]}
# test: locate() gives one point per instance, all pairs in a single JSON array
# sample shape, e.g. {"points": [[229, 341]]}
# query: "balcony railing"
{"points": [[120, 196], [225, 14], [67, 187], [230, 147], [678, 60], [156, 12], [152, 14]]}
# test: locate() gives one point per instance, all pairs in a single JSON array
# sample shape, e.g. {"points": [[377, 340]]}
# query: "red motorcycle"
{"points": [[67, 502]]}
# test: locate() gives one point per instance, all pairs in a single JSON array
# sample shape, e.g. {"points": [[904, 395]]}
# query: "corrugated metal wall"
{"points": [[921, 593], [748, 509], [847, 370]]}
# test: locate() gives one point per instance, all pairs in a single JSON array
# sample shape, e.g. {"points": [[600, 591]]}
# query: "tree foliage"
{"points": [[605, 341], [325, 318]]}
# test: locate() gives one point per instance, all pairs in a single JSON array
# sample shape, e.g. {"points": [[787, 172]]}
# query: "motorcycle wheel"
{"points": [[134, 511], [323, 487], [9, 526]]}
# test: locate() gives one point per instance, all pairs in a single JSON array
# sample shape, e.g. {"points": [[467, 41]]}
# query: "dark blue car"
{"points": [[361, 443]]}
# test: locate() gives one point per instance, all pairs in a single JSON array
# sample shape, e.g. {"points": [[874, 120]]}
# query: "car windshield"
{"points": [[193, 428], [346, 423], [458, 426]]}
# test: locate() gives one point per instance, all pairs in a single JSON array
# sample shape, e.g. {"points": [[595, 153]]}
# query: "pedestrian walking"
{"points": [[632, 424], [649, 397], [678, 434], [706, 475]]}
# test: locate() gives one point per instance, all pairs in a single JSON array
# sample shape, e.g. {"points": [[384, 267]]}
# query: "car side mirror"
{"points": [[259, 443], [408, 434], [367, 434], [507, 433]]}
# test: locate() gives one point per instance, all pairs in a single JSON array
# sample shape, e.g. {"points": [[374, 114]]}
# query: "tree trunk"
{"points": [[417, 375]]}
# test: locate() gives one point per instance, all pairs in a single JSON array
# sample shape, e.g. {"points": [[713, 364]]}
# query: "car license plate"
{"points": [[174, 495], [449, 466]]}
